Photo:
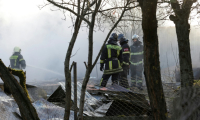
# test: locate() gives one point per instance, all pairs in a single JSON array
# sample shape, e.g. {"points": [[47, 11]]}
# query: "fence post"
{"points": [[75, 91]]}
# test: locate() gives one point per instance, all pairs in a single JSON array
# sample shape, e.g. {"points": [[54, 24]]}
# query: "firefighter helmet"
{"points": [[113, 39], [114, 36], [17, 49], [120, 36], [135, 36]]}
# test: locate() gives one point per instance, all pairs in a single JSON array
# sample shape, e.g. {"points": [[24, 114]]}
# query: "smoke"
{"points": [[169, 47], [44, 37]]}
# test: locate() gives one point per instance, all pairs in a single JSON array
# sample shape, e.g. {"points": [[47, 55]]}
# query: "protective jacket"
{"points": [[123, 81], [17, 61], [112, 57], [136, 53], [126, 53]]}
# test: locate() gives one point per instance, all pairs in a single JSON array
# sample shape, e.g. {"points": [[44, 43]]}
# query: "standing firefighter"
{"points": [[123, 81], [136, 62], [16, 60], [112, 57]]}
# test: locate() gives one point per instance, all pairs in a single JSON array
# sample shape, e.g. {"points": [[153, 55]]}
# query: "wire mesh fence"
{"points": [[113, 100], [134, 102], [120, 101]]}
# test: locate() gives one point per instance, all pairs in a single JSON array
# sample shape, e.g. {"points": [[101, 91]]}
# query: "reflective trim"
{"points": [[119, 65], [115, 47], [101, 61], [101, 81], [21, 59], [118, 52], [110, 65], [137, 63], [137, 53], [125, 63], [14, 57], [109, 53], [133, 80], [128, 52], [139, 81], [117, 70]]}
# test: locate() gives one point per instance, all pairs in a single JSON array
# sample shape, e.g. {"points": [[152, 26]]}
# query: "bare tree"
{"points": [[180, 19], [151, 59], [82, 8], [87, 11]]}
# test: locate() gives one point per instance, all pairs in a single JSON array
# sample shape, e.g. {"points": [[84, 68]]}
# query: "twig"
{"points": [[74, 53], [72, 66], [85, 64]]}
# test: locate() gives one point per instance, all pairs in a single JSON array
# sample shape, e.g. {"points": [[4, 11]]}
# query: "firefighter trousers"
{"points": [[105, 78], [123, 81], [136, 75]]}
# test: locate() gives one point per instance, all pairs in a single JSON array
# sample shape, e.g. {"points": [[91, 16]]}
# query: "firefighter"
{"points": [[123, 81], [16, 62], [111, 56], [136, 62]]}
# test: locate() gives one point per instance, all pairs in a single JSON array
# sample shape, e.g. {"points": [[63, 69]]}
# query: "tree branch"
{"points": [[70, 10], [108, 37]]}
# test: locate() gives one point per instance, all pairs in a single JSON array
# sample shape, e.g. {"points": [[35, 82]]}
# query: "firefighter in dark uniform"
{"points": [[136, 62], [111, 56], [123, 81], [17, 62]]}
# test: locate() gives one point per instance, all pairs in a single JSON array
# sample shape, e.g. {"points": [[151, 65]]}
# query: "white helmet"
{"points": [[135, 36], [17, 49]]}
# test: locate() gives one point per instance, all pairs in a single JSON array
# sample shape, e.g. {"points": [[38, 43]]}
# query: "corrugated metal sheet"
{"points": [[45, 109], [7, 107], [89, 100], [49, 111]]}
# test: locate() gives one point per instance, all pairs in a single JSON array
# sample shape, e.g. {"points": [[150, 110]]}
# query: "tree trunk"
{"points": [[183, 30], [151, 59], [22, 76], [186, 72], [90, 55], [75, 92], [67, 71], [27, 110]]}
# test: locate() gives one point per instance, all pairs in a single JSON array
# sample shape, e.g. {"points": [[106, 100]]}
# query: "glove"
{"points": [[101, 67]]}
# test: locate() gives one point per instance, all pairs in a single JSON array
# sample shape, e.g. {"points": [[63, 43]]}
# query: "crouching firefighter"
{"points": [[123, 81], [136, 62], [111, 56]]}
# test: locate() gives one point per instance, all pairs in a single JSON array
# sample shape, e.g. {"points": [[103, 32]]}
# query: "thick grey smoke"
{"points": [[44, 37]]}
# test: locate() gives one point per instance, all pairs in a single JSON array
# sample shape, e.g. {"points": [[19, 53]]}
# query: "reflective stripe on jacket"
{"points": [[136, 54], [112, 57], [126, 53], [17, 61]]}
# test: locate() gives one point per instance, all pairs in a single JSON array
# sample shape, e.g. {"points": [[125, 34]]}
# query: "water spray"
{"points": [[45, 70]]}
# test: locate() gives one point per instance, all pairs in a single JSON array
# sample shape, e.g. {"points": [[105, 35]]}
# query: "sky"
{"points": [[44, 36]]}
